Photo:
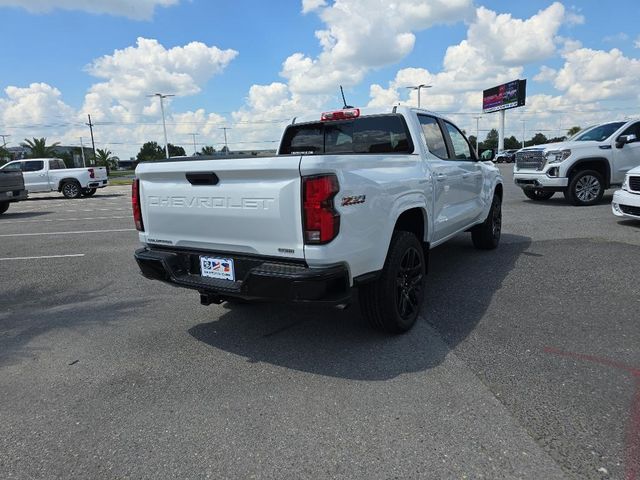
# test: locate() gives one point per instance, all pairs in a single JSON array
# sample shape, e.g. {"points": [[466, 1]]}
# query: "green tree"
{"points": [[537, 139], [105, 158], [572, 131], [492, 139], [39, 147], [207, 150], [176, 151], [150, 151], [512, 143]]}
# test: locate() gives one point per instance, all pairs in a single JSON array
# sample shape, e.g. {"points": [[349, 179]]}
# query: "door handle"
{"points": [[202, 178], [440, 177], [466, 175]]}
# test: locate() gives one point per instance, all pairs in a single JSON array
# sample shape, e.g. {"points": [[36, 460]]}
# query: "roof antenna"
{"points": [[343, 100]]}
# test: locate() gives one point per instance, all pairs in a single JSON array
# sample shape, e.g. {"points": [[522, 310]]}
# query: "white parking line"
{"points": [[68, 233], [62, 219], [41, 257]]}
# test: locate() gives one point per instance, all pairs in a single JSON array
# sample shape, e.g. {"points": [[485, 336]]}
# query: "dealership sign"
{"points": [[503, 97]]}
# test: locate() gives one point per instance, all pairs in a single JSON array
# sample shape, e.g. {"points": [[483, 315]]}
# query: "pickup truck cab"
{"points": [[51, 175], [353, 198], [583, 167], [11, 189]]}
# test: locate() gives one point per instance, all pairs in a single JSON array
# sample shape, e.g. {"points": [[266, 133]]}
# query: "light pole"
{"points": [[418, 87], [226, 147], [523, 123], [477, 117], [164, 125], [195, 152]]}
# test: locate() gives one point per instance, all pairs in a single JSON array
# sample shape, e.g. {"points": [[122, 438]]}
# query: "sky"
{"points": [[250, 66]]}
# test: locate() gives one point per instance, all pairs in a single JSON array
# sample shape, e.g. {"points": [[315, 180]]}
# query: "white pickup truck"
{"points": [[353, 198], [582, 167], [51, 175]]}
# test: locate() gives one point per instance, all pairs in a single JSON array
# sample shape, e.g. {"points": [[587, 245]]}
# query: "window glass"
{"points": [[433, 136], [338, 138], [633, 129], [13, 167], [372, 134], [461, 148], [54, 165], [32, 166], [599, 133]]}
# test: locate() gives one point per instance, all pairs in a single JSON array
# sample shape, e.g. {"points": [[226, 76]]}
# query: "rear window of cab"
{"points": [[368, 134]]}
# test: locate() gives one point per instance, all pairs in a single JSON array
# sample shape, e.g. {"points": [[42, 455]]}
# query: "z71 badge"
{"points": [[353, 200]]}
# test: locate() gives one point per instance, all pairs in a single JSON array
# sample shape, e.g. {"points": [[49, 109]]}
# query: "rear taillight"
{"points": [[135, 203], [92, 173], [321, 222]]}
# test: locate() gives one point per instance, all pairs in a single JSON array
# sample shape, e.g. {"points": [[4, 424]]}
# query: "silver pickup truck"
{"points": [[11, 189]]}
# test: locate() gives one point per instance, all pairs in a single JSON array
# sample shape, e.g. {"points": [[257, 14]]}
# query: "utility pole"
{"points": [[93, 143], [478, 117], [195, 151], [523, 124], [4, 140], [162, 96], [418, 87], [226, 149], [84, 163]]}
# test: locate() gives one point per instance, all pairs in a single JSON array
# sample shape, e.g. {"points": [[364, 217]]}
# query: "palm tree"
{"points": [[39, 147], [208, 150], [103, 156], [572, 131]]}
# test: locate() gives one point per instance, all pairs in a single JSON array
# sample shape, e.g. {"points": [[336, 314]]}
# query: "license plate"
{"points": [[220, 268]]}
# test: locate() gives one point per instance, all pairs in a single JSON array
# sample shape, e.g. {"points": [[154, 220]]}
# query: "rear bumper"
{"points": [[256, 277], [98, 184]]}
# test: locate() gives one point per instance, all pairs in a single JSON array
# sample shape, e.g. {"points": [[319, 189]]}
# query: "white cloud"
{"points": [[311, 5], [637, 42], [546, 74], [589, 75], [136, 9], [361, 35], [148, 67]]}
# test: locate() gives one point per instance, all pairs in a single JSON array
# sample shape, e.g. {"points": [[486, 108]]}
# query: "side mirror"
{"points": [[624, 139], [487, 154]]}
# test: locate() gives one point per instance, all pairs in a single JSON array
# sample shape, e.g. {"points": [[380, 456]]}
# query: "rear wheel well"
{"points": [[66, 180], [412, 220], [498, 190], [600, 165]]}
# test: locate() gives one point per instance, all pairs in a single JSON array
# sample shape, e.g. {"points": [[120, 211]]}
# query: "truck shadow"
{"points": [[558, 200], [335, 343], [18, 215]]}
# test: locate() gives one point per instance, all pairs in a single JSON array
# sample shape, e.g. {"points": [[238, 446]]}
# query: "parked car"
{"points": [[582, 167], [51, 175], [506, 156], [11, 189], [353, 198], [626, 201]]}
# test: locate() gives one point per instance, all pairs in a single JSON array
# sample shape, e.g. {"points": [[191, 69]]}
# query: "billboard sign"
{"points": [[502, 97]]}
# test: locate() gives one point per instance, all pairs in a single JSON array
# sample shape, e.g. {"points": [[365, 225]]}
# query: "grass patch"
{"points": [[120, 173], [120, 181]]}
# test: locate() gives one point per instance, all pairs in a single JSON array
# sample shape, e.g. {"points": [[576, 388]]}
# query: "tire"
{"points": [[71, 189], [4, 207], [537, 194], [89, 192], [585, 188], [486, 236], [392, 302]]}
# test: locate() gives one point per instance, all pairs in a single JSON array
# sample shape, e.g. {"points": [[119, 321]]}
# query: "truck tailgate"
{"points": [[248, 205]]}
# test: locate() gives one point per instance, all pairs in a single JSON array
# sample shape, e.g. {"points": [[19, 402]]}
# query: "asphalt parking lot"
{"points": [[525, 363]]}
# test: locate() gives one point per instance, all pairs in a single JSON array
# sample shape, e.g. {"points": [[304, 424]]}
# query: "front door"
{"points": [[627, 157]]}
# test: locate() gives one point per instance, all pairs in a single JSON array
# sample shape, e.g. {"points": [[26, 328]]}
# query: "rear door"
{"points": [[447, 179], [246, 205], [469, 192]]}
